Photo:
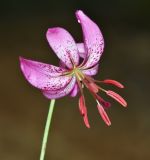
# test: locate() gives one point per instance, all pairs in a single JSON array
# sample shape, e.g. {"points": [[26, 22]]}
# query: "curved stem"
{"points": [[47, 126]]}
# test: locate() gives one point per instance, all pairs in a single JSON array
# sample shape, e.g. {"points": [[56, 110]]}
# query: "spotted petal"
{"points": [[63, 45], [91, 71], [81, 50], [61, 92], [93, 39], [43, 76]]}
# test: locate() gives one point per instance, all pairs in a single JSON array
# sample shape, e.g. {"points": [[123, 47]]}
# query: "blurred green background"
{"points": [[23, 109]]}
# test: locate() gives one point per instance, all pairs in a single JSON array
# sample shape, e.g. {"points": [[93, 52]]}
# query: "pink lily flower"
{"points": [[78, 63]]}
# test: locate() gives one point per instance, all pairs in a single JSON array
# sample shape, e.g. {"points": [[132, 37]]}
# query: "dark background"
{"points": [[23, 109]]}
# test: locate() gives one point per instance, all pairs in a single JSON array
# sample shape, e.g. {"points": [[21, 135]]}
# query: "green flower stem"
{"points": [[47, 126]]}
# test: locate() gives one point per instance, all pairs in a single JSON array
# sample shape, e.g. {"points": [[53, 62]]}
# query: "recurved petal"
{"points": [[60, 92], [43, 76], [63, 45], [92, 71], [93, 39]]}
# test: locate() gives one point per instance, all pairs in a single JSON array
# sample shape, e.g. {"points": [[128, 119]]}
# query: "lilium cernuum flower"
{"points": [[78, 63]]}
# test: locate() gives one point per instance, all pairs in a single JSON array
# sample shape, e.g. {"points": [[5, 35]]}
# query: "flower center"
{"points": [[77, 72]]}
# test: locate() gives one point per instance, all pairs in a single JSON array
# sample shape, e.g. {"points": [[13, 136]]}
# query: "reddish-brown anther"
{"points": [[113, 82], [86, 121], [81, 105], [103, 115], [83, 111], [117, 97]]}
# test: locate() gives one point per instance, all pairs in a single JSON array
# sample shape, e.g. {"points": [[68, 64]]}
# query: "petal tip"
{"points": [[20, 57], [79, 14], [22, 60], [52, 30]]}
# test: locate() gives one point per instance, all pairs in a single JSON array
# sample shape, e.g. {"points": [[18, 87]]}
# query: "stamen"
{"points": [[103, 114], [83, 110], [82, 106], [114, 82], [103, 102], [107, 81], [117, 97], [90, 84], [90, 79], [93, 88]]}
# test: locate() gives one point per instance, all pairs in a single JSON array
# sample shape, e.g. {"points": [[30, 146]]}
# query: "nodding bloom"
{"points": [[78, 63]]}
